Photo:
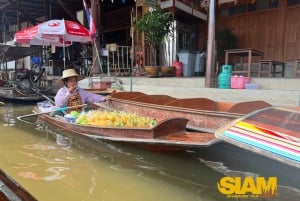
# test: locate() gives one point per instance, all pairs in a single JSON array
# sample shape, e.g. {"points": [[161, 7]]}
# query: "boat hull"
{"points": [[16, 96], [168, 134], [10, 190]]}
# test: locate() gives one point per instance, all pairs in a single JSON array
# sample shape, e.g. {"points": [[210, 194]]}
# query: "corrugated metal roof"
{"points": [[30, 10], [10, 53]]}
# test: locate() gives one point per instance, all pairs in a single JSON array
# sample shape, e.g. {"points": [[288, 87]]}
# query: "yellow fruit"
{"points": [[111, 117], [115, 118], [101, 122], [109, 123]]}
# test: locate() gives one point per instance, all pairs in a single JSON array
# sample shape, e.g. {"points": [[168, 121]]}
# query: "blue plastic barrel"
{"points": [[36, 60]]}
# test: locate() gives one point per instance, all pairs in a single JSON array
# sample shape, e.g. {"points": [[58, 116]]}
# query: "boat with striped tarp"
{"points": [[273, 132]]}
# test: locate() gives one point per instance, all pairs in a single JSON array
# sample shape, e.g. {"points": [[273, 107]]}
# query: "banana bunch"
{"points": [[115, 119]]}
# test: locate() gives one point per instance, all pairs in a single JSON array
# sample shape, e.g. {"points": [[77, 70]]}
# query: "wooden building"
{"points": [[271, 26]]}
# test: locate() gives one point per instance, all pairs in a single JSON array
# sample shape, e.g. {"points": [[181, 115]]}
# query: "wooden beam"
{"points": [[4, 6], [47, 6], [2, 28], [95, 12], [18, 15]]}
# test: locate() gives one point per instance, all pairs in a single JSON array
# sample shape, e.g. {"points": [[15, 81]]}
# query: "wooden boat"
{"points": [[273, 132], [203, 114], [13, 95], [10, 190], [17, 89], [167, 134]]}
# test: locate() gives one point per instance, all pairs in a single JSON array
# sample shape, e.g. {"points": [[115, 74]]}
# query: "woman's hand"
{"points": [[107, 98], [71, 89]]}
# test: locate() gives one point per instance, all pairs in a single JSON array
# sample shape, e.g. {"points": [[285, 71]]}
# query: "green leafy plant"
{"points": [[156, 25], [226, 39]]}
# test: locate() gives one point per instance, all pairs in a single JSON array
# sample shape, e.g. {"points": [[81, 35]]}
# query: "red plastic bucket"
{"points": [[178, 66]]}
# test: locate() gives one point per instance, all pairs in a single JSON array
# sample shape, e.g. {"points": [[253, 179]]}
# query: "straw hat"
{"points": [[69, 73]]}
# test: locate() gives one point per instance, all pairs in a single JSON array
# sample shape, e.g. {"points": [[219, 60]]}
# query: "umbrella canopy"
{"points": [[65, 29], [30, 36], [53, 32]]}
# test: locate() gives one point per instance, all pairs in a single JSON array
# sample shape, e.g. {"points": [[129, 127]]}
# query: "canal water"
{"points": [[55, 165]]}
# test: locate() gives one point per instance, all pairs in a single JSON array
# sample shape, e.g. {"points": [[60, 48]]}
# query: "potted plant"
{"points": [[156, 26]]}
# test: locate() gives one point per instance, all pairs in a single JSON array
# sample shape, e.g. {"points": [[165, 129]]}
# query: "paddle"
{"points": [[35, 89], [46, 97], [39, 76], [56, 110]]}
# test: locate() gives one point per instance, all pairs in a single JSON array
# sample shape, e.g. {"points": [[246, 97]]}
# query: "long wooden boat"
{"points": [[273, 132], [10, 190], [167, 134], [12, 95], [203, 114]]}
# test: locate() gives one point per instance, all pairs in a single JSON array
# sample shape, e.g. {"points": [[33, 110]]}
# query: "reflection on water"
{"points": [[8, 116], [63, 141], [55, 174], [55, 165]]}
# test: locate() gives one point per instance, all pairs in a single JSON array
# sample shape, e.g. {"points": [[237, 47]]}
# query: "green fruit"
{"points": [[84, 121], [75, 114]]}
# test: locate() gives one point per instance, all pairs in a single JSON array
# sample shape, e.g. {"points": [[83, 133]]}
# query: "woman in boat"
{"points": [[71, 95]]}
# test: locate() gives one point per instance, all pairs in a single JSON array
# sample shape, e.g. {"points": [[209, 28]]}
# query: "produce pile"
{"points": [[113, 119]]}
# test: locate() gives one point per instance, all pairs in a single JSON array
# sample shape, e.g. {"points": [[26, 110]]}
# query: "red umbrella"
{"points": [[65, 29], [30, 36], [53, 32]]}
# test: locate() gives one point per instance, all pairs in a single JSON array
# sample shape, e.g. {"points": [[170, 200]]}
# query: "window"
{"points": [[253, 6], [293, 2], [184, 41], [187, 36]]}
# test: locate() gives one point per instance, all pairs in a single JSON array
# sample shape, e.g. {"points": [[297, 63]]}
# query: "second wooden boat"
{"points": [[203, 114]]}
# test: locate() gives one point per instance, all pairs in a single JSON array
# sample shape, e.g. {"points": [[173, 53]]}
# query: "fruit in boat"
{"points": [[115, 119], [75, 114]]}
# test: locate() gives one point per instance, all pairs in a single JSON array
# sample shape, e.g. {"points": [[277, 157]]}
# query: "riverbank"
{"points": [[276, 91]]}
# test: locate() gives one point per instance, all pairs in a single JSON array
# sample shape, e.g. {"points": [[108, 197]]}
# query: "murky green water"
{"points": [[54, 165]]}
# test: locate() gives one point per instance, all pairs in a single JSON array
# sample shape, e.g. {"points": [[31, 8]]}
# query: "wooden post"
{"points": [[95, 12], [18, 15], [47, 8], [211, 47]]}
